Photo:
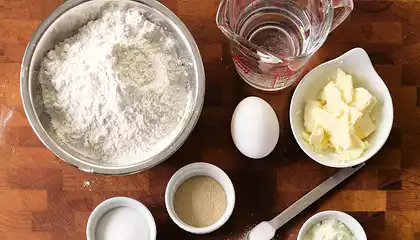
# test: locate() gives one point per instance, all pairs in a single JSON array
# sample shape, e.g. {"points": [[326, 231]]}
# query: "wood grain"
{"points": [[42, 197]]}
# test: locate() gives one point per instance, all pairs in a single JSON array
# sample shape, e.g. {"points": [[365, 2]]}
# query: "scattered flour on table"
{"points": [[116, 91], [5, 115]]}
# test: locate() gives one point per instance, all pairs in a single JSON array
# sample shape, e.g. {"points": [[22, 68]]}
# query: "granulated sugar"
{"points": [[200, 201], [122, 223], [116, 91]]}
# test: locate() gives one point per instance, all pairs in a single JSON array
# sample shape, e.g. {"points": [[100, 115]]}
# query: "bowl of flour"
{"points": [[112, 87]]}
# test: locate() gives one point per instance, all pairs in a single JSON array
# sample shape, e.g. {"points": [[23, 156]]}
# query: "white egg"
{"points": [[255, 128]]}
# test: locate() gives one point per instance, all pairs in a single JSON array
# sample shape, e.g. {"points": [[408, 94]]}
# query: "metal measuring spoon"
{"points": [[267, 230]]}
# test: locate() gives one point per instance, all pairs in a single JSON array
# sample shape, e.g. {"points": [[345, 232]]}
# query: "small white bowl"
{"points": [[357, 63], [116, 202], [353, 225], [200, 169]]}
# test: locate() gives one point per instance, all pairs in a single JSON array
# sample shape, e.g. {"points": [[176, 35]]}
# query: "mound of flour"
{"points": [[116, 91]]}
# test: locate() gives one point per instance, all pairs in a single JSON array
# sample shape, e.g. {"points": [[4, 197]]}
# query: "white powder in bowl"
{"points": [[122, 223], [330, 229], [116, 91]]}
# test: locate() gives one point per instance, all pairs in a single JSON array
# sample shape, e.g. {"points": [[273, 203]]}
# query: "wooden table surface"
{"points": [[41, 197]]}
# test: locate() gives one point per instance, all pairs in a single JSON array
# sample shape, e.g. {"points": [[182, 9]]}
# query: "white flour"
{"points": [[117, 90]]}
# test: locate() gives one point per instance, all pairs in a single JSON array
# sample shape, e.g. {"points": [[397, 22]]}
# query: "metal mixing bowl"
{"points": [[63, 23]]}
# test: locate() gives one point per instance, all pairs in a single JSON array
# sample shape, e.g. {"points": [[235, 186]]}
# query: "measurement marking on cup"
{"points": [[239, 60], [275, 79]]}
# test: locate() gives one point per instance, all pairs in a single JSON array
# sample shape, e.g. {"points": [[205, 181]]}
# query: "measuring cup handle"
{"points": [[342, 9]]}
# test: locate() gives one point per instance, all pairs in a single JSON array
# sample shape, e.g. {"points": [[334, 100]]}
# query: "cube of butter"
{"points": [[345, 84], [335, 105], [363, 100], [318, 139], [338, 129], [309, 122], [364, 127]]}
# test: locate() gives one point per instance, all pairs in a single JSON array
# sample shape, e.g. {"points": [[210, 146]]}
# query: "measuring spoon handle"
{"points": [[312, 196]]}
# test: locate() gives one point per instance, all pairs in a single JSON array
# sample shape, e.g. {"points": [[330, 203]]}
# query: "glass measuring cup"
{"points": [[271, 40]]}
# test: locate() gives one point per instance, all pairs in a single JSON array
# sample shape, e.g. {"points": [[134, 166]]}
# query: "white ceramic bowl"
{"points": [[116, 202], [200, 169], [348, 220], [357, 63]]}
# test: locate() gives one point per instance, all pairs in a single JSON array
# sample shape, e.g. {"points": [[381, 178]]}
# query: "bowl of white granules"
{"points": [[331, 225], [112, 87]]}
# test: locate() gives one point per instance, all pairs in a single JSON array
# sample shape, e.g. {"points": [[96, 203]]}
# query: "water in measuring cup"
{"points": [[282, 28]]}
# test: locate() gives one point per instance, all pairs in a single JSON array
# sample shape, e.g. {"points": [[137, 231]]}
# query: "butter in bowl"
{"points": [[341, 119], [341, 113]]}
